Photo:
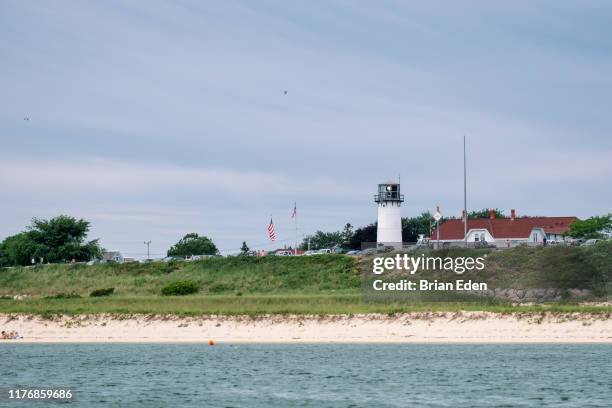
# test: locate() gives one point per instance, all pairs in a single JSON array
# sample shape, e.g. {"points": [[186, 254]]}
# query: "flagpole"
{"points": [[296, 228], [465, 214]]}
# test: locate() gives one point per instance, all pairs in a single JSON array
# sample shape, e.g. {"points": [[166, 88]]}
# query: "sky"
{"points": [[155, 119]]}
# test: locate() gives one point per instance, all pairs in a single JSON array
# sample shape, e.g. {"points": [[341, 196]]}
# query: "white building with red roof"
{"points": [[504, 232]]}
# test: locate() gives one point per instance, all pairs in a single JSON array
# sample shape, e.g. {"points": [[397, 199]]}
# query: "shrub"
{"points": [[64, 296], [102, 292], [180, 288]]}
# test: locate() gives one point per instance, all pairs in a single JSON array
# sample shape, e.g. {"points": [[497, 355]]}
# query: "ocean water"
{"points": [[166, 375]]}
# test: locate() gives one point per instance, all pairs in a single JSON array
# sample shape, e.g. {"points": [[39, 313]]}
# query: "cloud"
{"points": [[171, 117], [105, 176]]}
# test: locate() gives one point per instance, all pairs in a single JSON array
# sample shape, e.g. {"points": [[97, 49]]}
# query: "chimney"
{"points": [[512, 214], [491, 213]]}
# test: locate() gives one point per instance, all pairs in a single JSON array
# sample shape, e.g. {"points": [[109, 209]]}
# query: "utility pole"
{"points": [[437, 216], [294, 216], [438, 231], [465, 214], [148, 244]]}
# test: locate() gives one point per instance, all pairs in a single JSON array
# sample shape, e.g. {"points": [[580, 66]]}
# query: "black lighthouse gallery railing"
{"points": [[388, 196]]}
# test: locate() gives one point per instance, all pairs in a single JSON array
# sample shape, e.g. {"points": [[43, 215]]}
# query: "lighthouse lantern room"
{"points": [[389, 200]]}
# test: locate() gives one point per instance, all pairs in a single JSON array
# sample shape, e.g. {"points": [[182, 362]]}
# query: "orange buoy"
{"points": [[211, 343]]}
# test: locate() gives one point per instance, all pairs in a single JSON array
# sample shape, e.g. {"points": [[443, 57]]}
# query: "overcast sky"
{"points": [[155, 119]]}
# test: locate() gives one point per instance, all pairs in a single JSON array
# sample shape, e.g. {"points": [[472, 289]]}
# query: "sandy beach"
{"points": [[460, 327]]}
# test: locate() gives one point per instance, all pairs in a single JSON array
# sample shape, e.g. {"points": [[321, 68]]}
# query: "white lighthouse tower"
{"points": [[389, 202]]}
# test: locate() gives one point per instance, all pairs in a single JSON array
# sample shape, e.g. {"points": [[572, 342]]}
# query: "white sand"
{"points": [[461, 327]]}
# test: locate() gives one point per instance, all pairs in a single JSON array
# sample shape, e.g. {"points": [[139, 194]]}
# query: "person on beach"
{"points": [[10, 335]]}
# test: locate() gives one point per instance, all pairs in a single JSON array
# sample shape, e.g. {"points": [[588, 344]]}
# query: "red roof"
{"points": [[504, 228]]}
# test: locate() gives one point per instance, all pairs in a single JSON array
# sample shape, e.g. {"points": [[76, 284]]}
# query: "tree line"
{"points": [[64, 238], [60, 239], [412, 227], [423, 224]]}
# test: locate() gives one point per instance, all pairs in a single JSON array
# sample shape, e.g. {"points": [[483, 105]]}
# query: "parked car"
{"points": [[173, 258], [353, 252], [590, 242], [324, 251]]}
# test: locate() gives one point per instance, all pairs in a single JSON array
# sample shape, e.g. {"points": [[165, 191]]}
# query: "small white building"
{"points": [[112, 256]]}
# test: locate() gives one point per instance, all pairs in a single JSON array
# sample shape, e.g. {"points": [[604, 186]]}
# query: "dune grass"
{"points": [[214, 276], [267, 304], [328, 284]]}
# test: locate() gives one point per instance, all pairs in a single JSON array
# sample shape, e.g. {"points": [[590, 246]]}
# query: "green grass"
{"points": [[245, 275], [534, 267], [329, 284], [265, 304]]}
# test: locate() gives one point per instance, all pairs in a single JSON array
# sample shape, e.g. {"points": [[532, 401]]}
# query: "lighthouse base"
{"points": [[389, 231]]}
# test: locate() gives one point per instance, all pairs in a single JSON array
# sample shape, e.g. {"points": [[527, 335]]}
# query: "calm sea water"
{"points": [[315, 375]]}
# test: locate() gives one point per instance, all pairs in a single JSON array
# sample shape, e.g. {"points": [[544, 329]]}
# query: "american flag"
{"points": [[294, 212], [271, 232]]}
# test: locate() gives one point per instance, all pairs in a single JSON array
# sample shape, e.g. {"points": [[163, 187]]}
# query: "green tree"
{"points": [[322, 239], [347, 235], [484, 213], [59, 239], [244, 249], [413, 227], [593, 227], [62, 239], [363, 235], [17, 250], [193, 244]]}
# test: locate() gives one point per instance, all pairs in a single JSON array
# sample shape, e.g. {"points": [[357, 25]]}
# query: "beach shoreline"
{"points": [[418, 327]]}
